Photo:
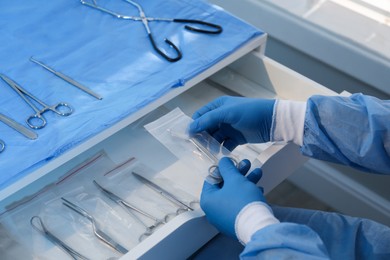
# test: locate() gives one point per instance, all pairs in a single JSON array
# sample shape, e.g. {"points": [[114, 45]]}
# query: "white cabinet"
{"points": [[246, 72]]}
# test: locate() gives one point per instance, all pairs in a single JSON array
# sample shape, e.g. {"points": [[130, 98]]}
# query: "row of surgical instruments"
{"points": [[37, 223], [37, 120], [201, 26]]}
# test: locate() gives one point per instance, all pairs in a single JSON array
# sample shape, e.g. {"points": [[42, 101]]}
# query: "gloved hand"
{"points": [[235, 120], [222, 202]]}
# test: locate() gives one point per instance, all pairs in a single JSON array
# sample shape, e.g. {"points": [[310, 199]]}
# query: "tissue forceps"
{"points": [[98, 233], [55, 240], [126, 205], [145, 21], [169, 196], [67, 79], [61, 108]]}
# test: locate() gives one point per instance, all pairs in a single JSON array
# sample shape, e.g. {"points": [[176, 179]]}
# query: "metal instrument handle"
{"points": [[18, 127]]}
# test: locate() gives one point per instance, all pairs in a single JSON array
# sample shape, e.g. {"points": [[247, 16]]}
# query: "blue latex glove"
{"points": [[222, 202], [235, 120]]}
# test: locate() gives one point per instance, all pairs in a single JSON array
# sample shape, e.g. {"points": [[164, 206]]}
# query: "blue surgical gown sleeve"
{"points": [[312, 234], [353, 131]]}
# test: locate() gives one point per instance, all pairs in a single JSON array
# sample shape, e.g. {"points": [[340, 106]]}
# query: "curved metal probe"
{"points": [[98, 233], [55, 240]]}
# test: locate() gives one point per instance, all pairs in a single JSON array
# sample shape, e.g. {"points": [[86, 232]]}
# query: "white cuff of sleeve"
{"points": [[288, 121], [252, 218]]}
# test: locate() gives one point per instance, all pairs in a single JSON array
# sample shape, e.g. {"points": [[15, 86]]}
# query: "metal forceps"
{"points": [[98, 233], [18, 127], [216, 29], [214, 176], [126, 206], [34, 221], [61, 108], [183, 207]]}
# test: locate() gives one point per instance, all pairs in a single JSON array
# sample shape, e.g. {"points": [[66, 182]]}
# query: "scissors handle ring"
{"points": [[218, 28], [2, 146], [37, 118], [62, 109]]}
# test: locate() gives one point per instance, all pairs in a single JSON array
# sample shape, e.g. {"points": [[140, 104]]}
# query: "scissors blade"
{"points": [[161, 191], [18, 127]]}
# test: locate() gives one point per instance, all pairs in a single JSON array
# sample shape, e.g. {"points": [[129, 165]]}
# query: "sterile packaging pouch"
{"points": [[46, 207], [132, 190], [202, 152]]}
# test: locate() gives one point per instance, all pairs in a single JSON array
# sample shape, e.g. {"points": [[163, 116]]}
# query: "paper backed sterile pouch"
{"points": [[67, 225], [200, 152]]}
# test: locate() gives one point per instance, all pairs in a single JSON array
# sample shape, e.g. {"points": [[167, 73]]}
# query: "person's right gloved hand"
{"points": [[222, 202], [235, 120]]}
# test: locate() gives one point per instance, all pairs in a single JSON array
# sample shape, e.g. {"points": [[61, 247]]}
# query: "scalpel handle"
{"points": [[18, 127], [78, 85]]}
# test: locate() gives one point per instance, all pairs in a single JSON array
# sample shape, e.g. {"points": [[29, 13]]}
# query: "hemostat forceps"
{"points": [[145, 20], [43, 230], [61, 108], [126, 205], [98, 233]]}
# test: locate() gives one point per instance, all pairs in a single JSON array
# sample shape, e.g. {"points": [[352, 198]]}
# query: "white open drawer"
{"points": [[247, 73]]}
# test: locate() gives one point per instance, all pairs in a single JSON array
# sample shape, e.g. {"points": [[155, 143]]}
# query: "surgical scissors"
{"points": [[126, 206], [61, 108], [145, 21], [98, 233], [55, 240]]}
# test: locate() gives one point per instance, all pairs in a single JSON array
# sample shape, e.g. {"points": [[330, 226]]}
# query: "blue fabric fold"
{"points": [[112, 57]]}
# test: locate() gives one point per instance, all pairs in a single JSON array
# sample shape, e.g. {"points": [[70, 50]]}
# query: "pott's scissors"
{"points": [[216, 29], [166, 194], [37, 121]]}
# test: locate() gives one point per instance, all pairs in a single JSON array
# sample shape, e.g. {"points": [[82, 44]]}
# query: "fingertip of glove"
{"points": [[255, 175], [193, 128]]}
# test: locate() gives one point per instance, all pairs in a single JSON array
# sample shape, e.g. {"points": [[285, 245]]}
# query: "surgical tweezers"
{"points": [[182, 206], [145, 21], [55, 240], [98, 233], [67, 79], [61, 108], [18, 127]]}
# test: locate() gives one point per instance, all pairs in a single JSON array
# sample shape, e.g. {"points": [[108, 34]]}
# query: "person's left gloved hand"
{"points": [[222, 204]]}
